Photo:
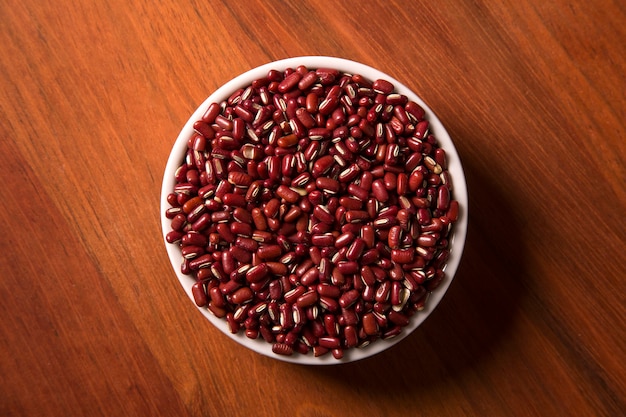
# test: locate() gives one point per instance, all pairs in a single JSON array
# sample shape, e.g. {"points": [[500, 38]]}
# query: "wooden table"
{"points": [[92, 97]]}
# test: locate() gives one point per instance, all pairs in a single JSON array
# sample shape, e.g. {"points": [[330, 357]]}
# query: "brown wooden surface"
{"points": [[92, 318]]}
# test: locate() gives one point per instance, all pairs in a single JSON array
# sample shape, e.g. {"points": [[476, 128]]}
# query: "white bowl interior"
{"points": [[457, 241]]}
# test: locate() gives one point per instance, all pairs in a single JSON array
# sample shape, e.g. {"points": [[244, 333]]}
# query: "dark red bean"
{"points": [[322, 165], [257, 272], [403, 256], [323, 214], [287, 194], [327, 184], [380, 191], [453, 211], [242, 295], [282, 349], [382, 86], [329, 342], [199, 294], [356, 249], [307, 299], [370, 326], [269, 251], [289, 82]]}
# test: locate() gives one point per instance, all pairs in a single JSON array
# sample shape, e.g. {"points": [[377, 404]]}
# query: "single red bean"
{"points": [[348, 298], [269, 251], [307, 299], [190, 252], [323, 214], [258, 217], [370, 256], [257, 272], [380, 191], [427, 239], [368, 235], [282, 349], [398, 318], [390, 180], [289, 82], [348, 267], [329, 303], [358, 192], [357, 216], [328, 290], [242, 295], [370, 326], [322, 165], [329, 342], [327, 184], [217, 295], [174, 236], [310, 277], [356, 249], [287, 141], [350, 203], [344, 239], [211, 113], [246, 243], [225, 233], [199, 294], [180, 220], [292, 295], [453, 211], [423, 216], [382, 86], [287, 194], [311, 103], [349, 174], [402, 256], [307, 80], [326, 239], [241, 229], [394, 237], [351, 336]]}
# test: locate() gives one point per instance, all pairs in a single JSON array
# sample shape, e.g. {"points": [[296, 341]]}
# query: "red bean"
{"points": [[402, 256], [453, 211], [382, 86], [380, 191], [356, 249], [327, 184], [269, 251], [242, 295], [394, 237], [287, 194], [282, 349], [199, 294], [323, 214], [369, 324], [358, 192], [307, 299], [289, 82], [329, 342], [322, 165], [326, 239]]}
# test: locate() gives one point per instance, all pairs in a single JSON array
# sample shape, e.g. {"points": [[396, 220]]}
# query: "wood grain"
{"points": [[93, 320]]}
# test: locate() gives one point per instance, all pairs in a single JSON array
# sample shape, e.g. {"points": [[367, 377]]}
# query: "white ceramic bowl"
{"points": [[457, 240]]}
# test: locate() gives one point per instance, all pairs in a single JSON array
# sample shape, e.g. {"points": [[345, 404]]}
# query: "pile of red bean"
{"points": [[313, 208]]}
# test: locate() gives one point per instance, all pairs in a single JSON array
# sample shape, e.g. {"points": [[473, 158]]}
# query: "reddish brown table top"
{"points": [[92, 97]]}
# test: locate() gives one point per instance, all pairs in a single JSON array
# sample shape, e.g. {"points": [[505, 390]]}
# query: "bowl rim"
{"points": [[455, 168]]}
